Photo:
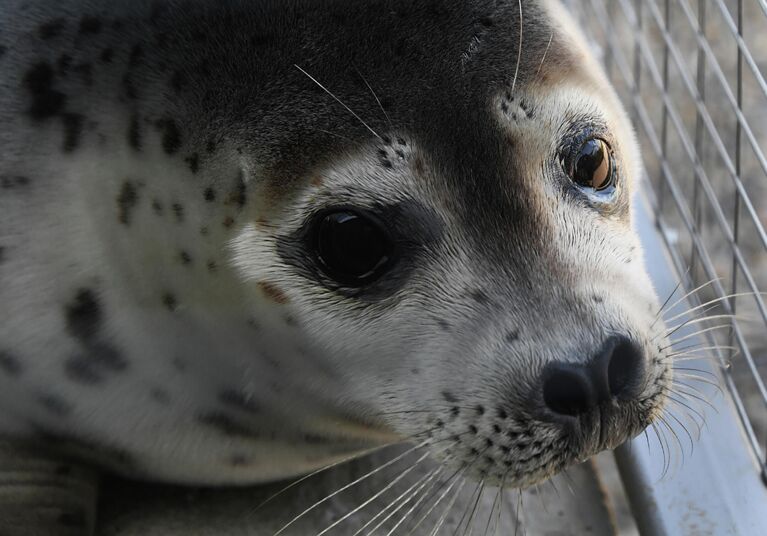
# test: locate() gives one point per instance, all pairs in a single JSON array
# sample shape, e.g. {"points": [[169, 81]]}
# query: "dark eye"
{"points": [[592, 166], [352, 248]]}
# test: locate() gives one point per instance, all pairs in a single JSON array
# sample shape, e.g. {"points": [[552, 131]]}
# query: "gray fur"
{"points": [[159, 165]]}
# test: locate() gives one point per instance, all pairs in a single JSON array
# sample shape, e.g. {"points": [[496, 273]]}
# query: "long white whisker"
{"points": [[349, 485], [410, 510], [326, 90], [318, 471], [451, 502], [519, 51], [687, 295], [373, 497], [695, 334], [711, 302], [388, 120], [544, 55]]}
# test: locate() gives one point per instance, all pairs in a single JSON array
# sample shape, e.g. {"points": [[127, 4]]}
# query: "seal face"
{"points": [[241, 240]]}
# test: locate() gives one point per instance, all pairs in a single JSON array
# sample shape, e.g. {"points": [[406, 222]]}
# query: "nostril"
{"points": [[567, 390], [624, 368]]}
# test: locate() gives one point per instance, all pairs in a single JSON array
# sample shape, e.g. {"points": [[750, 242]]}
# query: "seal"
{"points": [[244, 240]]}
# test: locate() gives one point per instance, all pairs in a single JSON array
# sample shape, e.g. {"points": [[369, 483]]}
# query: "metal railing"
{"points": [[692, 73]]}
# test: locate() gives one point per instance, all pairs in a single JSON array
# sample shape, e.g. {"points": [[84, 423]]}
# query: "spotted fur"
{"points": [[159, 163]]}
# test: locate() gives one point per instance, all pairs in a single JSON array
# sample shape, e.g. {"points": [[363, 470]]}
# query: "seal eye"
{"points": [[352, 248], [593, 165]]}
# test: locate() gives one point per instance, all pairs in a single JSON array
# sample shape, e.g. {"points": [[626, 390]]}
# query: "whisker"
{"points": [[441, 519], [470, 522], [347, 486], [693, 321], [388, 120], [409, 512], [544, 55], [500, 503], [695, 334], [318, 471], [686, 431], [492, 509], [468, 506], [373, 497], [688, 294], [714, 301], [326, 90], [665, 423], [660, 310], [399, 498], [333, 134], [519, 50]]}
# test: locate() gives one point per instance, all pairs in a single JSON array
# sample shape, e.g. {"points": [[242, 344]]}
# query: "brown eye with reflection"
{"points": [[593, 165]]}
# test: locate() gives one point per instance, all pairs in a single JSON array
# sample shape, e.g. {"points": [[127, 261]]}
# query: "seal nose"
{"points": [[613, 373]]}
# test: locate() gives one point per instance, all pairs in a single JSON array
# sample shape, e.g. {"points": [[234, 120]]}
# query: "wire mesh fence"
{"points": [[692, 73]]}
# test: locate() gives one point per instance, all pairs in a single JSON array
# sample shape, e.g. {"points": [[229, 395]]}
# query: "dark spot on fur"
{"points": [[193, 161], [90, 25], [512, 336], [448, 396], [94, 364], [204, 231], [3, 50], [185, 258], [85, 72], [83, 316], [238, 400], [487, 22], [9, 182], [226, 425], [136, 55], [55, 405], [177, 81], [63, 64], [9, 364], [480, 410], [134, 133], [444, 326], [178, 210], [291, 321], [479, 296], [228, 222], [273, 292], [106, 55], [212, 267], [126, 202], [502, 413], [171, 136], [157, 207], [2, 254], [238, 195], [454, 411], [160, 396], [239, 460], [51, 29], [129, 87], [210, 146], [473, 429], [73, 128], [597, 299], [209, 194], [496, 429], [46, 101], [169, 301]]}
